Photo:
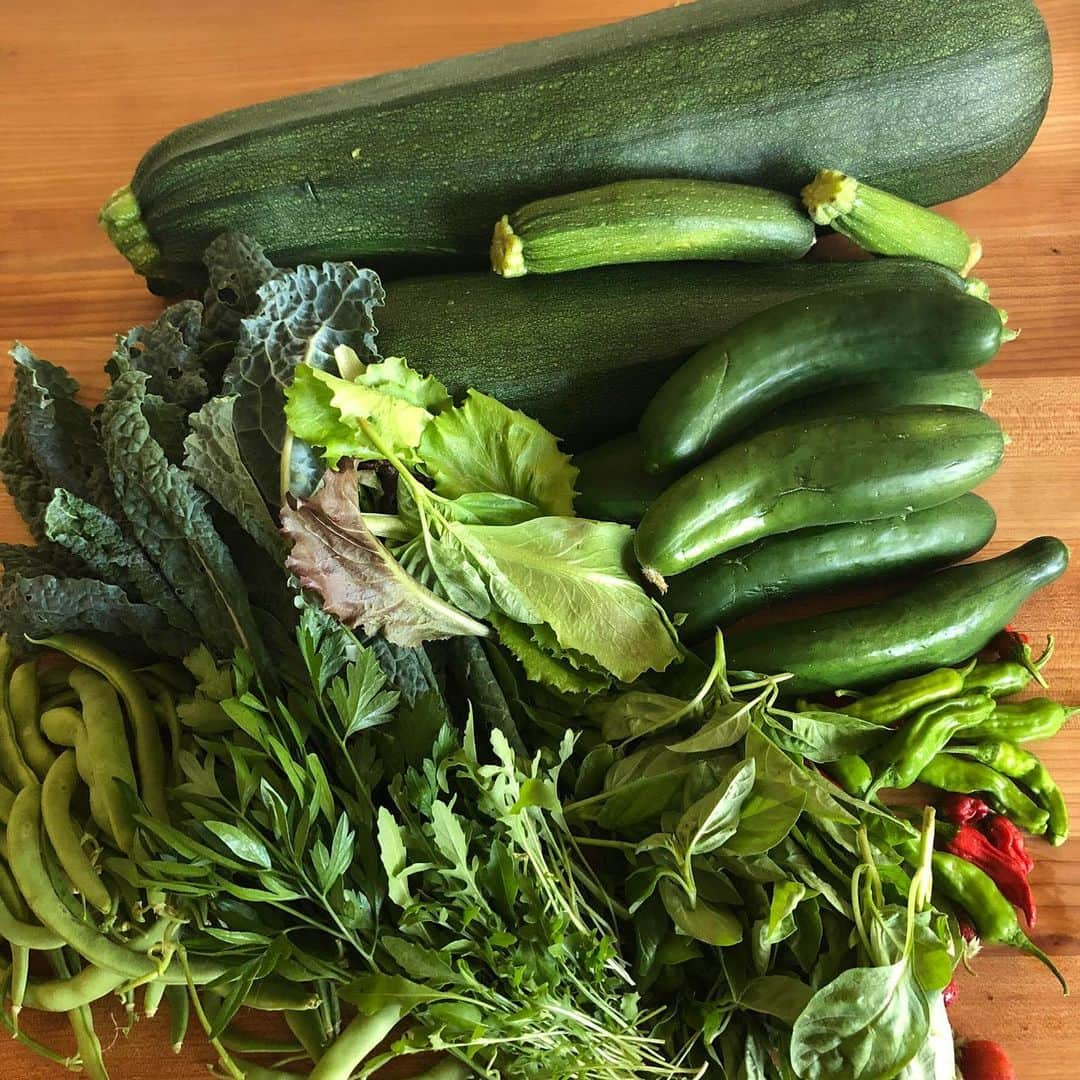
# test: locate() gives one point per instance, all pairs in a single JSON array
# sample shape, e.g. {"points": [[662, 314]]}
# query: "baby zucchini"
{"points": [[811, 560], [804, 347], [941, 621], [888, 225], [837, 469], [635, 221]]}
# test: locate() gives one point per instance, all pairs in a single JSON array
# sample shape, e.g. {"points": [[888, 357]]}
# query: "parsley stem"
{"points": [[224, 1058]]}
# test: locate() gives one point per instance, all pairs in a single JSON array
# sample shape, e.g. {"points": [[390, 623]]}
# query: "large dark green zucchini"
{"points": [[943, 620], [817, 560], [583, 353], [928, 99]]}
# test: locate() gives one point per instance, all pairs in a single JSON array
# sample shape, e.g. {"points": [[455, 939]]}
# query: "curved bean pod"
{"points": [[14, 916], [149, 752], [65, 836], [33, 880], [360, 1036], [107, 746], [24, 700], [12, 763], [7, 797]]}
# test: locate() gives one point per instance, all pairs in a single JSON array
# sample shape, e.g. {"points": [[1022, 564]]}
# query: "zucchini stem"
{"points": [[507, 250], [122, 218]]}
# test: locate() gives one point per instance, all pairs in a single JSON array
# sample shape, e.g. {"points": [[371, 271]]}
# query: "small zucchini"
{"points": [[860, 467], [635, 221], [886, 224], [613, 484], [941, 621], [806, 346], [818, 560]]}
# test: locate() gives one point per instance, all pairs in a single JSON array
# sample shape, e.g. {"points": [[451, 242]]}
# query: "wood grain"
{"points": [[86, 87]]}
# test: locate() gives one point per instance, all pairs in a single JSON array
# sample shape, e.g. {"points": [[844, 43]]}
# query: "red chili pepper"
{"points": [[982, 1059], [1008, 838], [963, 809], [1009, 876], [950, 993], [967, 929]]}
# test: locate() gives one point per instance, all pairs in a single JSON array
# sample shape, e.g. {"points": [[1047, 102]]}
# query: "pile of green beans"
{"points": [[77, 726], [950, 729]]}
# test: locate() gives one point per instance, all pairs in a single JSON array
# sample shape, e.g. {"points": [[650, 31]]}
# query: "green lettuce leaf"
{"points": [[393, 376], [327, 411], [212, 458], [575, 576], [542, 666], [485, 446], [335, 555], [302, 317]]}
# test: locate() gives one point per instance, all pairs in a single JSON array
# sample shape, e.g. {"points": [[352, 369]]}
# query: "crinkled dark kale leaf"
{"points": [[303, 316]]}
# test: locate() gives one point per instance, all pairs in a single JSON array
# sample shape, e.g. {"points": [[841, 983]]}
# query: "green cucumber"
{"points": [[650, 221], [887, 225], [583, 353], [944, 619], [929, 99], [725, 589], [806, 346], [613, 484], [960, 388], [859, 467]]}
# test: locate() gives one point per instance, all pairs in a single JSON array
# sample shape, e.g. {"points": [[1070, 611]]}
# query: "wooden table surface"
{"points": [[86, 87]]}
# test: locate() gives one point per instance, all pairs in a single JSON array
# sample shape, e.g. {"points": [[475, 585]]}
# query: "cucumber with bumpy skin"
{"points": [[817, 560], [823, 472], [946, 618], [960, 388], [806, 346], [650, 221]]}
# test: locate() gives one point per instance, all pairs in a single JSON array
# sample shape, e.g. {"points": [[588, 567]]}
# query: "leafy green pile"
{"points": [[509, 822], [483, 530]]}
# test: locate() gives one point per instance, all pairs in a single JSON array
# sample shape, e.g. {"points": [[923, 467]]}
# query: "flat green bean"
{"points": [[15, 926], [88, 1043], [65, 836], [446, 1069], [307, 1026], [20, 974], [62, 995], [12, 763], [359, 1037], [240, 1042], [24, 700], [7, 797], [107, 747], [28, 867], [152, 997], [179, 1014], [149, 752]]}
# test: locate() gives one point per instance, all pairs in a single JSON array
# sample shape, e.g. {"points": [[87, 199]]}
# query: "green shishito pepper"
{"points": [[906, 696], [1013, 761], [993, 917], [910, 749], [1026, 721], [949, 773]]}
